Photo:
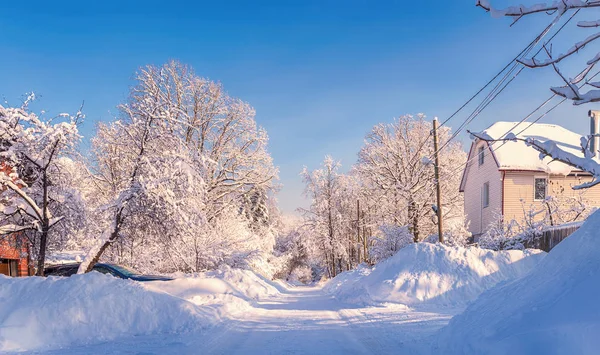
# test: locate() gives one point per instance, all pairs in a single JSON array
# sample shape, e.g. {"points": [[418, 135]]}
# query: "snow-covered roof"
{"points": [[516, 155]]}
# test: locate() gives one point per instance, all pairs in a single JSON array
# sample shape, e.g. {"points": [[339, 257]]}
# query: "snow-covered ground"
{"points": [[300, 320], [232, 311], [254, 320], [552, 310]]}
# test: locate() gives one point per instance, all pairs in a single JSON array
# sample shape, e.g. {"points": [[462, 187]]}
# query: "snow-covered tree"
{"points": [[389, 240], [395, 165], [366, 214], [148, 182], [217, 126], [329, 218], [237, 167], [291, 249], [36, 191], [185, 174]]}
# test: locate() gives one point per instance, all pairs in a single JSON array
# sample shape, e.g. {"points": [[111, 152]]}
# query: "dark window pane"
{"points": [[481, 155], [540, 189]]}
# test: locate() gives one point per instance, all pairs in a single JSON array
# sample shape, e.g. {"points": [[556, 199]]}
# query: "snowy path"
{"points": [[302, 320]]}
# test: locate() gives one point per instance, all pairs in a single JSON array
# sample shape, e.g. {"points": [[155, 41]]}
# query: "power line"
{"points": [[492, 95], [462, 166], [489, 151], [512, 62]]}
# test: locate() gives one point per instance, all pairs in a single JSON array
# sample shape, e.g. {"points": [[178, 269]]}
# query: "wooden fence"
{"points": [[551, 236]]}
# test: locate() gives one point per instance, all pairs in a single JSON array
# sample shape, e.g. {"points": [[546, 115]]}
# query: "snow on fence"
{"points": [[551, 236]]}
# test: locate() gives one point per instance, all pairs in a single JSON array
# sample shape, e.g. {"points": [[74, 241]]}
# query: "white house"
{"points": [[509, 178]]}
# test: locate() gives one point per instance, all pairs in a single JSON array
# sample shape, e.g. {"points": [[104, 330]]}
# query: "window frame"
{"points": [[535, 178], [485, 195]]}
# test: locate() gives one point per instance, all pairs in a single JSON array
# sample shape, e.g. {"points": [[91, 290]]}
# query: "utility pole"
{"points": [[436, 170]]}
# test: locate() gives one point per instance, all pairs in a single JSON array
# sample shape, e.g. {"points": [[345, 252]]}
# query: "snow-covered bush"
{"points": [[291, 253], [456, 235], [510, 235], [302, 274], [390, 239], [514, 234]]}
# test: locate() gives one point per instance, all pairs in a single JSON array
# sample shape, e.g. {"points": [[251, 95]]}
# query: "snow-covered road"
{"points": [[307, 321], [300, 320]]}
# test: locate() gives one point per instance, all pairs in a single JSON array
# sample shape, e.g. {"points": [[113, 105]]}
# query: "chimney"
{"points": [[594, 131]]}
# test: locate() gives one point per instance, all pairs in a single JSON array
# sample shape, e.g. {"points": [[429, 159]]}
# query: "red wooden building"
{"points": [[14, 259], [14, 252]]}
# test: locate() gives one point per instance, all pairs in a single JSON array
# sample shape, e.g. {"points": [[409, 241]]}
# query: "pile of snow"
{"points": [[347, 280], [552, 310], [433, 274], [37, 312], [251, 284], [226, 290]]}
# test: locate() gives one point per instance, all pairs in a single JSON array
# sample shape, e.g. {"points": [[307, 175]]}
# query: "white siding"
{"points": [[477, 216]]}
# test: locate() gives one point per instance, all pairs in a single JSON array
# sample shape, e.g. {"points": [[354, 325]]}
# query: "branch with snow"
{"points": [[560, 6], [534, 63], [551, 149]]}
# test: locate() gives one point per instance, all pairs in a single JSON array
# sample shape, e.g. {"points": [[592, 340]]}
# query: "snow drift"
{"points": [[226, 290], [46, 313], [37, 312], [433, 274], [552, 310]]}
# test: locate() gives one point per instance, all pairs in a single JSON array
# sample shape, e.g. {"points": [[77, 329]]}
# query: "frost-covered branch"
{"points": [[560, 6], [534, 63], [551, 149]]}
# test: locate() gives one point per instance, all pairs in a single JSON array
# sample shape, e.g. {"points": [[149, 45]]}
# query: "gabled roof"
{"points": [[516, 155]]}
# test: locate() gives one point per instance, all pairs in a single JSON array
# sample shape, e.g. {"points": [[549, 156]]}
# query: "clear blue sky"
{"points": [[319, 73]]}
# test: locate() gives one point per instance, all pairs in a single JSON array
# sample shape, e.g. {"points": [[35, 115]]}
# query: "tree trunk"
{"points": [[96, 257], [45, 226], [42, 252], [113, 237], [414, 219]]}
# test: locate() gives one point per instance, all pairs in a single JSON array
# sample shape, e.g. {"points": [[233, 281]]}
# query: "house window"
{"points": [[8, 267], [481, 155], [485, 195], [539, 189]]}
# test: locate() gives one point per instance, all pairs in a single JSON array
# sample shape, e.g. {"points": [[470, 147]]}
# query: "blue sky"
{"points": [[319, 73]]}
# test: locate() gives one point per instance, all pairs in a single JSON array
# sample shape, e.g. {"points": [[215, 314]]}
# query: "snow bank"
{"points": [[347, 280], [37, 312], [252, 285], [552, 310], [226, 289], [433, 274]]}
